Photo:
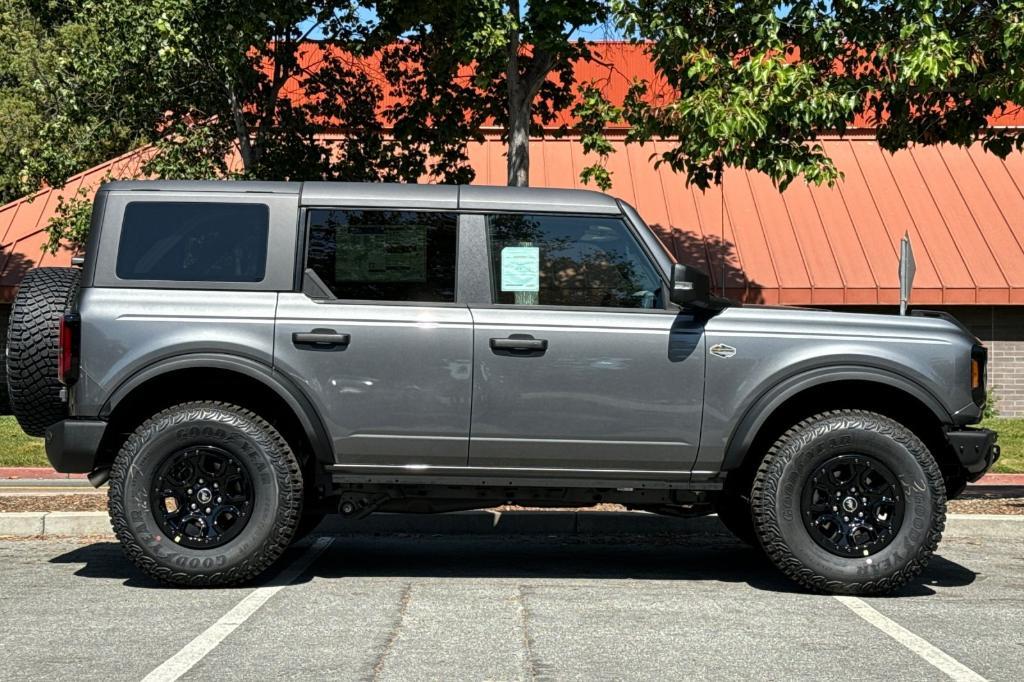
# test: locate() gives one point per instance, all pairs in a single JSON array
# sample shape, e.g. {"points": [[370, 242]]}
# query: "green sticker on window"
{"points": [[520, 268]]}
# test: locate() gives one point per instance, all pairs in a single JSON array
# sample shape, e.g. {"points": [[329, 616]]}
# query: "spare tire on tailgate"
{"points": [[32, 355]]}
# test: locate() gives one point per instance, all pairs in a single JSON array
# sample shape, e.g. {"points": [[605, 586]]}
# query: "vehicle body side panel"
{"points": [[613, 390], [399, 392], [125, 330], [926, 357]]}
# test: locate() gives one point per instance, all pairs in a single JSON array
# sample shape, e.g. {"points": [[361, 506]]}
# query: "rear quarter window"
{"points": [[193, 242]]}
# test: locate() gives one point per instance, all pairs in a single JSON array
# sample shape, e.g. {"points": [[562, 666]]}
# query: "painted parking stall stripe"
{"points": [[193, 652], [929, 652]]}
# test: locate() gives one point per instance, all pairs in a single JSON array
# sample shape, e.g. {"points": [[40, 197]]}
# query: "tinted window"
{"points": [[193, 242], [384, 255], [570, 261]]}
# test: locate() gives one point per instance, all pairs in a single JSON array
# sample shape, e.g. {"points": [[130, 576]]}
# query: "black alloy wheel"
{"points": [[852, 505], [202, 497]]}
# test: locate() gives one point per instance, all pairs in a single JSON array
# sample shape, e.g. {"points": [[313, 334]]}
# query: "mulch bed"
{"points": [[74, 502]]}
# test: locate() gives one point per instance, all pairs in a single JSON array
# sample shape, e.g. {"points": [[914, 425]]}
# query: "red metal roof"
{"points": [[963, 210]]}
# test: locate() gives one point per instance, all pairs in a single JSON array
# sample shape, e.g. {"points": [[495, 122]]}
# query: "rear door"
{"points": [[378, 339], [579, 361]]}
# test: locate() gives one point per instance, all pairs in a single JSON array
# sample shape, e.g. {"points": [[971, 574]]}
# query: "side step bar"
{"points": [[423, 474]]}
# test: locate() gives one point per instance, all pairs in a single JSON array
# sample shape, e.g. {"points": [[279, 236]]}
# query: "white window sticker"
{"points": [[520, 268]]}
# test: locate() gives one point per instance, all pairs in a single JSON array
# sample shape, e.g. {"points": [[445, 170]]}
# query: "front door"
{"points": [[378, 341], [579, 362]]}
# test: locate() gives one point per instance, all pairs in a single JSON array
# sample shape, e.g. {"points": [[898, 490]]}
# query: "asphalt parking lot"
{"points": [[503, 608]]}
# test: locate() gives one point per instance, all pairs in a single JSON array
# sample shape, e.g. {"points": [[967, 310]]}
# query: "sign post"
{"points": [[907, 270]]}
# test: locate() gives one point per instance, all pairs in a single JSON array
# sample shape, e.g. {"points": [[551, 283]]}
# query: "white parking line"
{"points": [[193, 652], [932, 654]]}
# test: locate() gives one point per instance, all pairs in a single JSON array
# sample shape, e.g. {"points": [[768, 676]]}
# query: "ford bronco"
{"points": [[239, 359]]}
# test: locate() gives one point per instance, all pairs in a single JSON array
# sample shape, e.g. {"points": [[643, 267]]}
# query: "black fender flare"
{"points": [[285, 388], [758, 413]]}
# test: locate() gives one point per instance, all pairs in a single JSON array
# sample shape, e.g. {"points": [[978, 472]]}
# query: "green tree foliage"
{"points": [[753, 83], [521, 56], [205, 81]]}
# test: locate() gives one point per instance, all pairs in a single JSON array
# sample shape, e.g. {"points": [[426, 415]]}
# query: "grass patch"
{"points": [[1011, 440], [17, 449]]}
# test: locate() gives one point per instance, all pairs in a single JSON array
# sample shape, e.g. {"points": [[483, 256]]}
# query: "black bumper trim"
{"points": [[975, 448], [71, 444]]}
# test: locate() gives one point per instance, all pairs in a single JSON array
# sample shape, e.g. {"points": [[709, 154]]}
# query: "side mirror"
{"points": [[690, 286]]}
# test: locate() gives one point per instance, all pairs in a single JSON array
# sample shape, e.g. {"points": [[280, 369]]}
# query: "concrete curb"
{"points": [[85, 524], [54, 524]]}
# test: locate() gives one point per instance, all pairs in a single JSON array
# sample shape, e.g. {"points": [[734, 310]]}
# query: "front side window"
{"points": [[384, 255], [193, 241], [569, 261]]}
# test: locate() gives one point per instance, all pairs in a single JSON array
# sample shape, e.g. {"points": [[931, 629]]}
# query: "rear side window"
{"points": [[384, 255], [193, 242]]}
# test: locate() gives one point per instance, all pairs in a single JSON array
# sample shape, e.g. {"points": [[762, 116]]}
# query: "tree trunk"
{"points": [[518, 104], [519, 144], [245, 149]]}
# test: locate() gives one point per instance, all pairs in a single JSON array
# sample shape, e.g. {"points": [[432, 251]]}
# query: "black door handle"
{"points": [[519, 344], [322, 338]]}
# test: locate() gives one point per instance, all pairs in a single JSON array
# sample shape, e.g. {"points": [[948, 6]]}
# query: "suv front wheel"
{"points": [[849, 502], [205, 493]]}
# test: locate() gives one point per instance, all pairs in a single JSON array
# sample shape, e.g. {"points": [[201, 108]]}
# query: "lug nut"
{"points": [[207, 510], [193, 505], [218, 500]]}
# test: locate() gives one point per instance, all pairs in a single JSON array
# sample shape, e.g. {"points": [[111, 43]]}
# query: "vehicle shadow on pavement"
{"points": [[658, 557]]}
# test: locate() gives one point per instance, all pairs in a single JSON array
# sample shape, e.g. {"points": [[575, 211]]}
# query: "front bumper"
{"points": [[975, 448], [71, 445]]}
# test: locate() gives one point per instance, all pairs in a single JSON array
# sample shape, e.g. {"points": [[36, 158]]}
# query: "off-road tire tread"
{"points": [[789, 445], [286, 469], [32, 354]]}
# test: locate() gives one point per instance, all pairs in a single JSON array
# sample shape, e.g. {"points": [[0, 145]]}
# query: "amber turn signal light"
{"points": [[975, 374]]}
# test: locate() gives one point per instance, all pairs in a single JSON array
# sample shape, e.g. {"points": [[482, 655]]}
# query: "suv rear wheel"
{"points": [[205, 493], [849, 502]]}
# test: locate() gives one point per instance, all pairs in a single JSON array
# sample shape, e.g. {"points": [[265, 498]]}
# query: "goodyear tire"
{"points": [[849, 502], [32, 356], [205, 493]]}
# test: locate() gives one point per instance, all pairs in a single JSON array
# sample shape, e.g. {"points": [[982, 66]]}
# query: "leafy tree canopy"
{"points": [[753, 83]]}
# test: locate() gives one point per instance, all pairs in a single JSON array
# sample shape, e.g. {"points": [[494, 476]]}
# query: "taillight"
{"points": [[67, 348]]}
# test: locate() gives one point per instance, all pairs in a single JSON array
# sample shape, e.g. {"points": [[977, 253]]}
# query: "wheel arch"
{"points": [[216, 376], [815, 391]]}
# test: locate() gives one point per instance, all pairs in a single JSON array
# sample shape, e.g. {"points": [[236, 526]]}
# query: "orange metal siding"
{"points": [[963, 209]]}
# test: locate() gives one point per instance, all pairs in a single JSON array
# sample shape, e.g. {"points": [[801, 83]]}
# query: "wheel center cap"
{"points": [[850, 504], [204, 496]]}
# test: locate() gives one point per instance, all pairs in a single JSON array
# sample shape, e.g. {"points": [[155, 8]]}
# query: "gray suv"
{"points": [[240, 358]]}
